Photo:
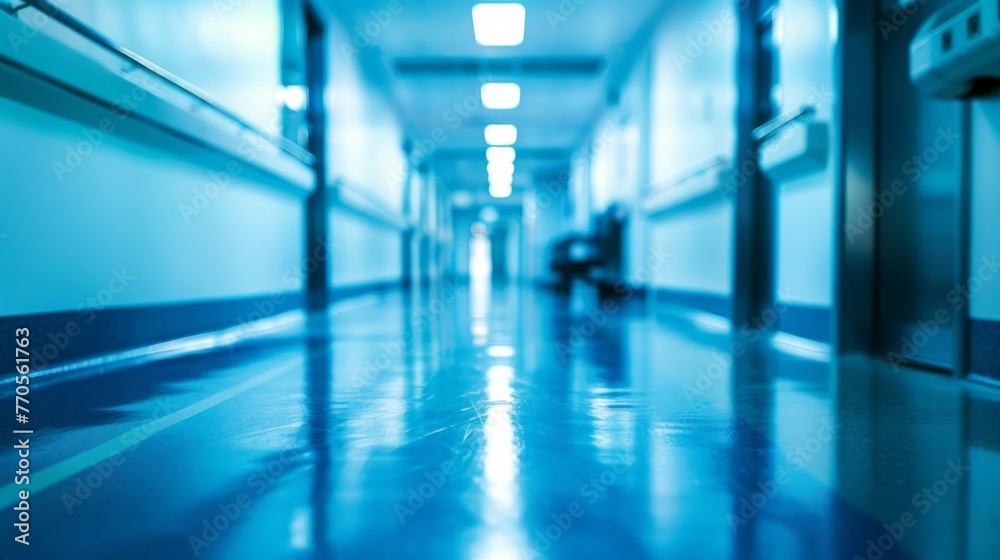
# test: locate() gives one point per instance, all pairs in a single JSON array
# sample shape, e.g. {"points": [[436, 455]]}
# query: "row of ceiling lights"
{"points": [[500, 25]]}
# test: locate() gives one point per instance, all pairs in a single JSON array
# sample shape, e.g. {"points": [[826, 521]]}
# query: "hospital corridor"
{"points": [[496, 280]]}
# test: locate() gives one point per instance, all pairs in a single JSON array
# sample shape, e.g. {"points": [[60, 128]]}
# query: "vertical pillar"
{"points": [[753, 282], [855, 253], [318, 239]]}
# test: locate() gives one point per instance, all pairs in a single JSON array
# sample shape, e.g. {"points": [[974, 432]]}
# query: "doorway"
{"points": [[918, 205]]}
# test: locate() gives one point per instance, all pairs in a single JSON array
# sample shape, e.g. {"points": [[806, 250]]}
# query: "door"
{"points": [[917, 207]]}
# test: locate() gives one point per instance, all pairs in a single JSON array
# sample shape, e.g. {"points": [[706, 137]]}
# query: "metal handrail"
{"points": [[376, 208], [773, 126], [193, 91], [697, 170]]}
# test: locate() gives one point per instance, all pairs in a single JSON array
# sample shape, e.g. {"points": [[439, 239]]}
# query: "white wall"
{"points": [[693, 108], [228, 48], [120, 209], [364, 251], [544, 220], [985, 201], [365, 149], [804, 235], [606, 165]]}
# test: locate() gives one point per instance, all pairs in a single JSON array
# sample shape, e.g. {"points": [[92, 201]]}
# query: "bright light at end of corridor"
{"points": [[501, 351], [501, 186], [501, 96], [500, 134], [498, 25], [501, 190], [499, 168], [503, 155]]}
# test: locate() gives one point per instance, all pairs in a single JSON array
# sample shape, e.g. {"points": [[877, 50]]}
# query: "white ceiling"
{"points": [[557, 108]]}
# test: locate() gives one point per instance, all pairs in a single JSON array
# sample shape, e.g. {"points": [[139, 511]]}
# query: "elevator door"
{"points": [[920, 181]]}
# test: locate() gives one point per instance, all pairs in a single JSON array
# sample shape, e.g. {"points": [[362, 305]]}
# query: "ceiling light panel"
{"points": [[500, 95], [500, 134], [501, 154], [498, 25]]}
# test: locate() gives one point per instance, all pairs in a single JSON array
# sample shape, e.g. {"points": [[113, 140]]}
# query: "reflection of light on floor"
{"points": [[480, 284], [614, 428], [801, 347], [709, 322], [479, 305], [665, 479], [480, 332], [391, 411], [501, 506], [480, 254], [810, 443], [299, 529], [501, 351], [500, 458], [379, 424], [498, 387], [498, 547]]}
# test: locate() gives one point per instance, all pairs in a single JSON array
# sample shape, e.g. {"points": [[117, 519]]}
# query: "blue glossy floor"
{"points": [[501, 423]]}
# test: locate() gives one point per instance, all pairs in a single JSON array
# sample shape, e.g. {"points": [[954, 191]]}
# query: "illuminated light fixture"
{"points": [[501, 96], [295, 97], [498, 25], [501, 186], [500, 168], [505, 154], [501, 190], [501, 180], [500, 134]]}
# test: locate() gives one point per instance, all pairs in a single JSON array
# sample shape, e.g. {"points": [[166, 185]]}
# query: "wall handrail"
{"points": [[698, 169], [357, 200], [185, 87], [767, 130], [689, 185]]}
